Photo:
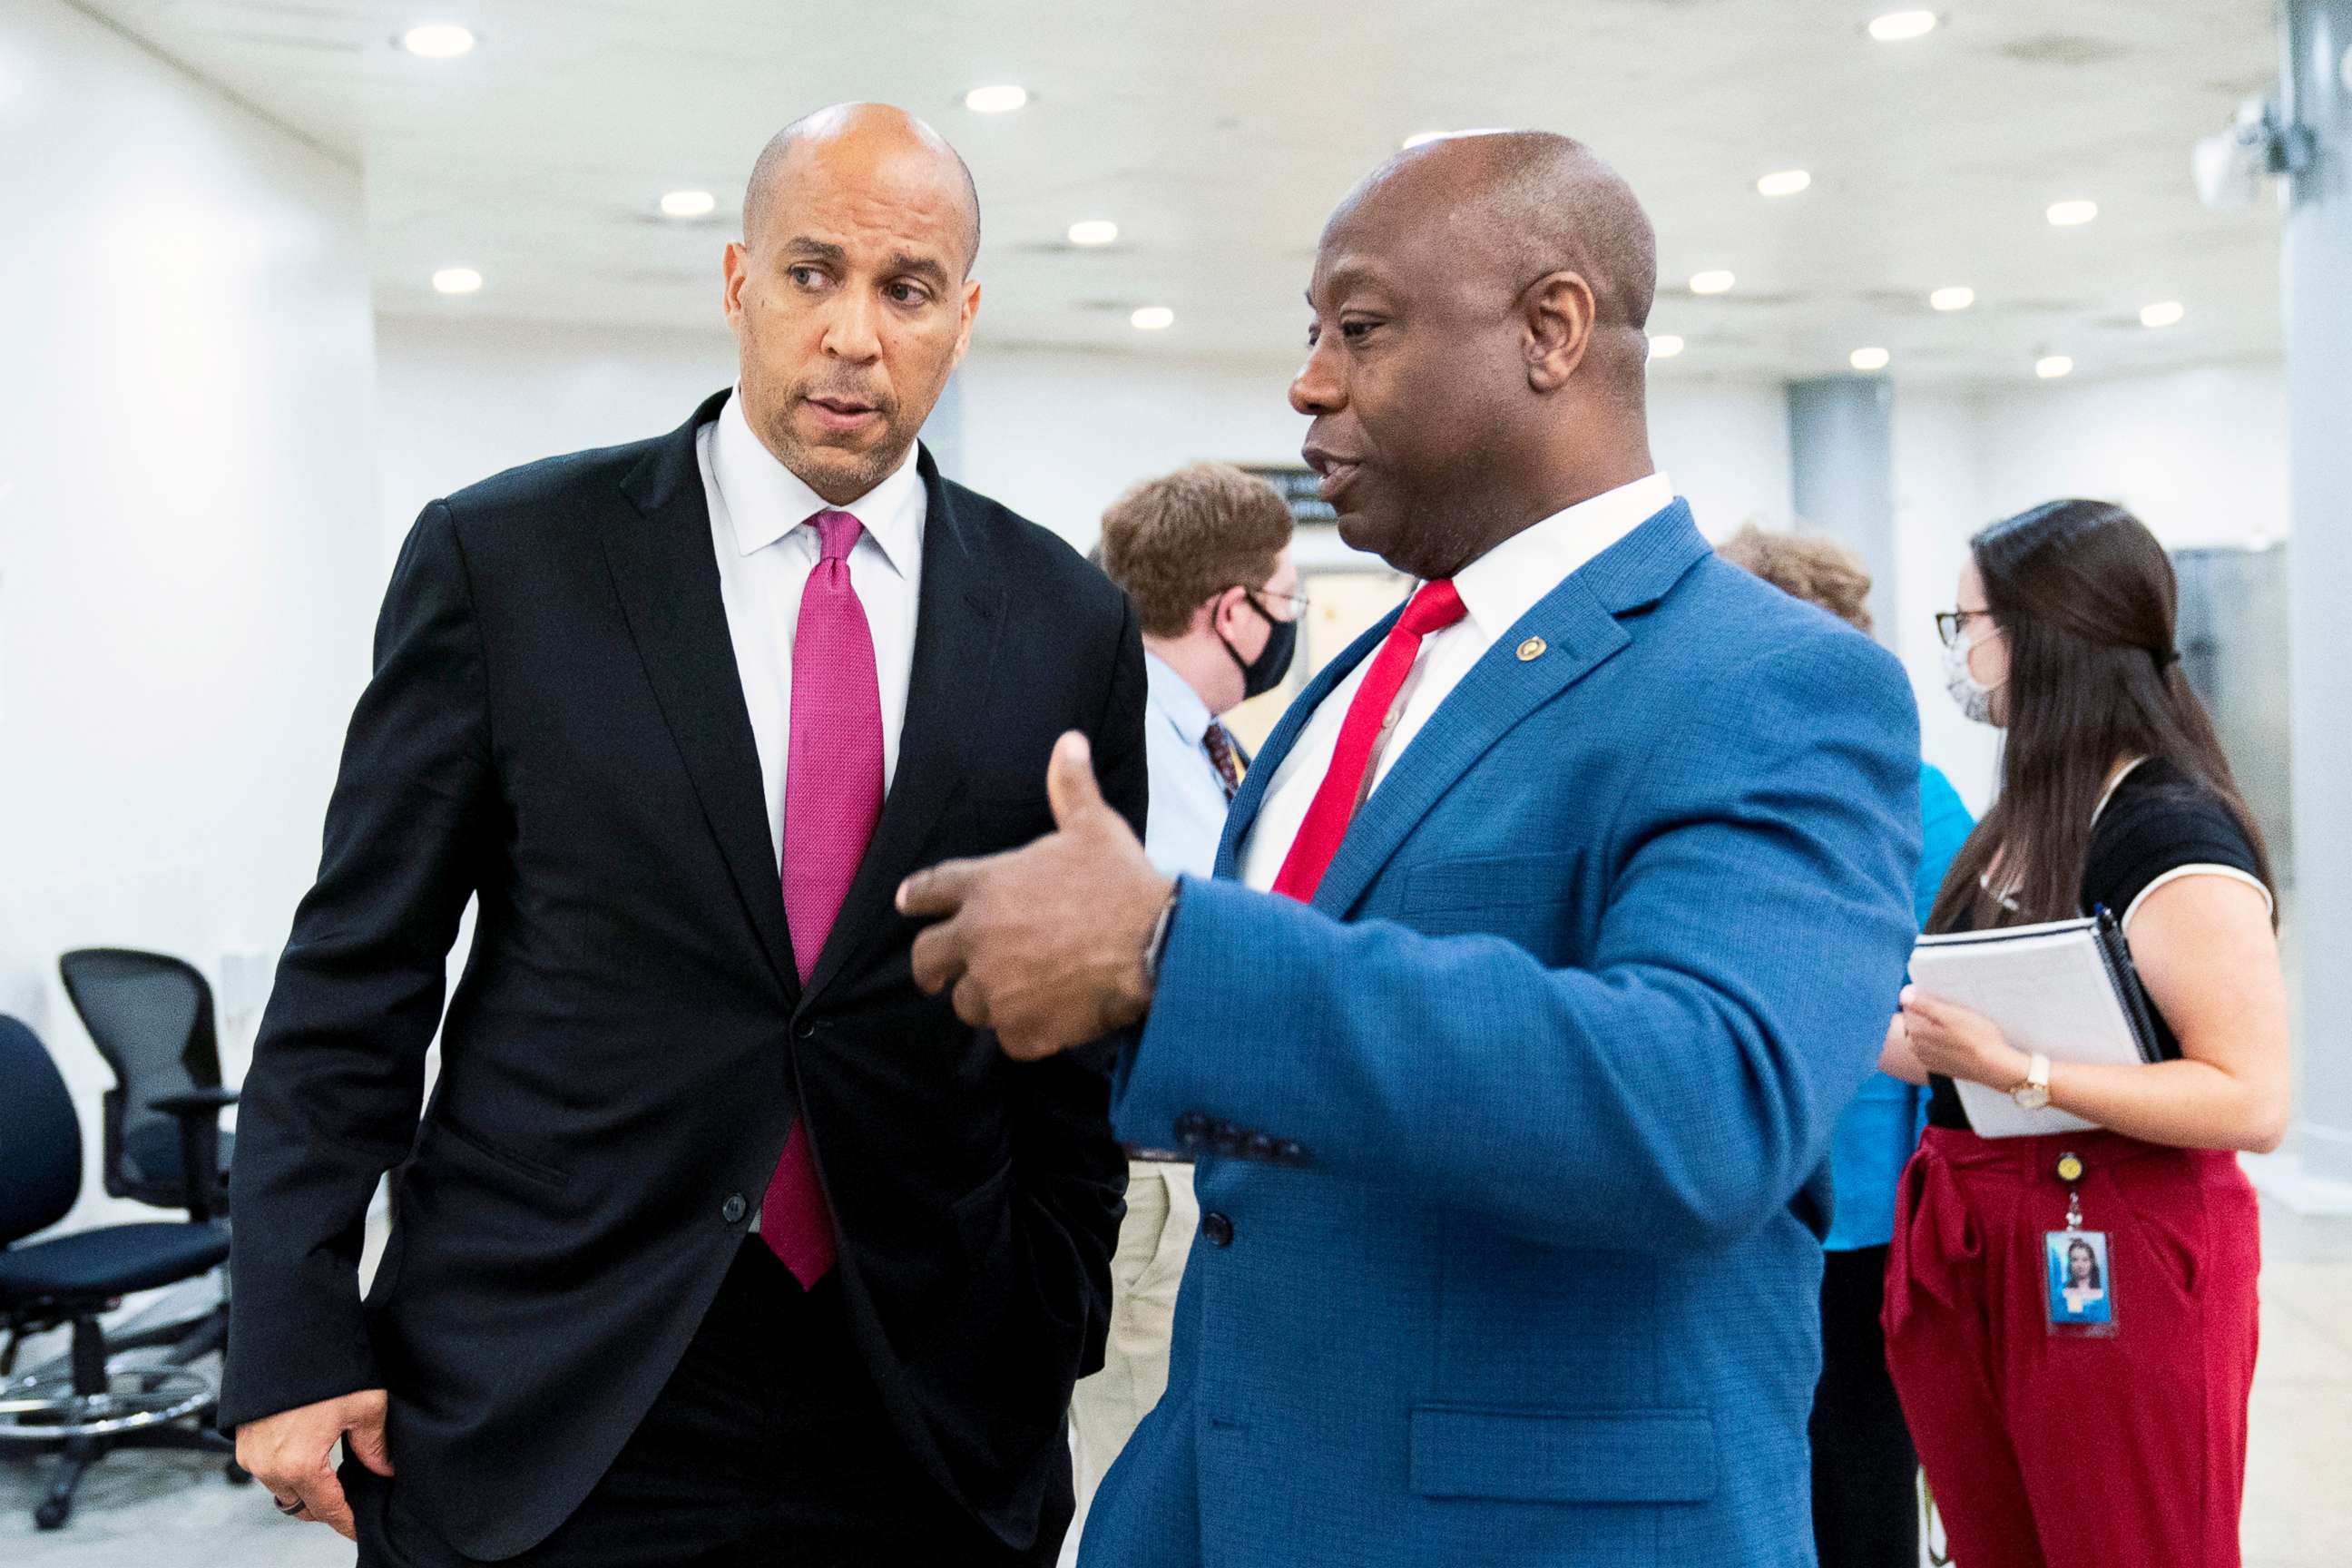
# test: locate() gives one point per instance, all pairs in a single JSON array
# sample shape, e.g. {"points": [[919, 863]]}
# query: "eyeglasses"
{"points": [[1293, 605], [1949, 624]]}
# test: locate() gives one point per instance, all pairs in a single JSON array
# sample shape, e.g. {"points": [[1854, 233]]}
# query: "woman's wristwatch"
{"points": [[2033, 1094]]}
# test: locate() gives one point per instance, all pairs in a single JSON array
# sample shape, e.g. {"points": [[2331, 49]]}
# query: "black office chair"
{"points": [[88, 1407], [151, 1017]]}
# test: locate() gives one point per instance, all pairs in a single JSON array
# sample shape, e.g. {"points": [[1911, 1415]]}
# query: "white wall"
{"points": [[1940, 487], [1057, 437], [2199, 455], [189, 555], [460, 398]]}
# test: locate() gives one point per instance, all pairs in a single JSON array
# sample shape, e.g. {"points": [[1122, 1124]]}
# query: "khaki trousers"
{"points": [[1153, 1241]]}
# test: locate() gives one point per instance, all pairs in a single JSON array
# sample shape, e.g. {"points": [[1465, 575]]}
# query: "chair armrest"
{"points": [[198, 1113], [193, 1100]]}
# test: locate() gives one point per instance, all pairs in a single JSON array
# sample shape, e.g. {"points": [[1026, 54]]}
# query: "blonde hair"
{"points": [[1819, 571]]}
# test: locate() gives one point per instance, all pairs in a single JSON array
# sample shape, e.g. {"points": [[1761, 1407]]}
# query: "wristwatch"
{"points": [[2035, 1092], [1157, 943]]}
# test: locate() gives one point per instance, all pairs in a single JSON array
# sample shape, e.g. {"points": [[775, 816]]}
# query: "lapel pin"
{"points": [[1532, 649]]}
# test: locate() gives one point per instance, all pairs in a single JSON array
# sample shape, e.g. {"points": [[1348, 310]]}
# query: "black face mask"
{"points": [[1264, 673]]}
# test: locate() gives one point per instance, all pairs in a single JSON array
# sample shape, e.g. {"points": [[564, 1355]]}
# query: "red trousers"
{"points": [[2064, 1452]]}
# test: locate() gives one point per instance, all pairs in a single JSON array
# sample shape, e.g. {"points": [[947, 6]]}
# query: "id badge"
{"points": [[2081, 1295]]}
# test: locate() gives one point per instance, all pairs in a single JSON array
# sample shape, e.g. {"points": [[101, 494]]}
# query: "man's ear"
{"points": [[1224, 607], [1559, 318], [734, 267], [971, 309]]}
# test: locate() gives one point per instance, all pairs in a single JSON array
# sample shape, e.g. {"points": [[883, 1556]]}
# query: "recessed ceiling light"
{"points": [[1665, 346], [1423, 137], [1787, 183], [2050, 367], [1152, 319], [437, 40], [1093, 231], [457, 280], [1898, 26], [687, 203], [1868, 359], [1716, 282], [2163, 313], [1002, 99], [1956, 297], [2073, 214]]}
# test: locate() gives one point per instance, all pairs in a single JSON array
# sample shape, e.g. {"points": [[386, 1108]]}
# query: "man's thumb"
{"points": [[1070, 780], [365, 1439]]}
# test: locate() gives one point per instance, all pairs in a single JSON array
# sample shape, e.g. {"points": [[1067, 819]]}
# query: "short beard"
{"points": [[835, 475]]}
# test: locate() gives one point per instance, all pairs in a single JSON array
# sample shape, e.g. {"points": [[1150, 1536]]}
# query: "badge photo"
{"points": [[2081, 1289]]}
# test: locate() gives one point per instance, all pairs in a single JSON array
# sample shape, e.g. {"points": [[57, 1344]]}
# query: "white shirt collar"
{"points": [[1510, 579], [766, 501], [1174, 696]]}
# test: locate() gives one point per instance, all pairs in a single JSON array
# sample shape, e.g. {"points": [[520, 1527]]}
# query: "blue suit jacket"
{"points": [[1875, 1138], [1514, 1139]]}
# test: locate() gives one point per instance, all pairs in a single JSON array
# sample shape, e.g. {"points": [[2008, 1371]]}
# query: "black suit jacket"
{"points": [[556, 726]]}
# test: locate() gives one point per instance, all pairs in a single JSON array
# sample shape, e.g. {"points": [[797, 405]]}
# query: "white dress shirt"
{"points": [[758, 510], [1497, 589], [1188, 799]]}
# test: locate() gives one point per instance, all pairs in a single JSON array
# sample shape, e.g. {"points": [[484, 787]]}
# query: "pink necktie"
{"points": [[832, 796]]}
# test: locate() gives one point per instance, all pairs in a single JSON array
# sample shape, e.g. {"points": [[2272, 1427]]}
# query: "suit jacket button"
{"points": [[1217, 1229], [807, 1030], [733, 1210]]}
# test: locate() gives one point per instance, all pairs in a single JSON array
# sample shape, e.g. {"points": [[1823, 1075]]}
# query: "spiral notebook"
{"points": [[2065, 988]]}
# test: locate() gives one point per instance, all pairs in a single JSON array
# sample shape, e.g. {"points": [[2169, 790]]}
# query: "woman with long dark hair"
{"points": [[2049, 1438]]}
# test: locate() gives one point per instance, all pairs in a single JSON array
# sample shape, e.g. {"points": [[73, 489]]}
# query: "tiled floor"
{"points": [[175, 1510]]}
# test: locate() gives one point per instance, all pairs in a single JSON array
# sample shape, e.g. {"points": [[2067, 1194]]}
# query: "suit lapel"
{"points": [[666, 575], [1580, 631], [1243, 814], [957, 610]]}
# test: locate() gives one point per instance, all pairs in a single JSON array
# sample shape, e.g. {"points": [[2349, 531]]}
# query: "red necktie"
{"points": [[1434, 608], [832, 796]]}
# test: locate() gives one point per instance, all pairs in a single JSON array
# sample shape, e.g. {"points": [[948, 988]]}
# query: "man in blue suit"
{"points": [[1552, 930]]}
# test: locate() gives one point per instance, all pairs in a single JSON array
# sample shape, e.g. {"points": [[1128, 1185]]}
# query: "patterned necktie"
{"points": [[1221, 757], [832, 796], [1434, 608]]}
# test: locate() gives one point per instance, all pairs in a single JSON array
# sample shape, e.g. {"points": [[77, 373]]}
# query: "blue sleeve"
{"points": [[1677, 1089], [1945, 825]]}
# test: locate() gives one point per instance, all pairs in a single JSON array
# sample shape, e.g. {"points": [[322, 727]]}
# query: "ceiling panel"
{"points": [[1219, 134]]}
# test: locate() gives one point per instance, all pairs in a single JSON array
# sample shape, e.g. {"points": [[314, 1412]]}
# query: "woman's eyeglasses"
{"points": [[1949, 624]]}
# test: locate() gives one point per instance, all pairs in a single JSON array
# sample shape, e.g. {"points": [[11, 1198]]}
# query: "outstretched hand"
{"points": [[1045, 944]]}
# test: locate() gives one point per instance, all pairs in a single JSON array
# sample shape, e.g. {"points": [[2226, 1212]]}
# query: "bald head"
{"points": [[1523, 203], [851, 291], [1477, 355], [868, 143]]}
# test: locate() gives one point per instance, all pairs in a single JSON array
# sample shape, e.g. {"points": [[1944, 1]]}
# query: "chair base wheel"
{"points": [[53, 1513]]}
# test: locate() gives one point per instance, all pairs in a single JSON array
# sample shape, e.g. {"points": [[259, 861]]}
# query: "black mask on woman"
{"points": [[1264, 673]]}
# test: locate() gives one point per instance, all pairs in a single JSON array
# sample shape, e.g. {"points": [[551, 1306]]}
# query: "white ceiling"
{"points": [[1219, 133]]}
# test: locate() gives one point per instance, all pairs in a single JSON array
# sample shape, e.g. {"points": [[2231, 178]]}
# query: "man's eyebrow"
{"points": [[822, 250], [921, 266], [1346, 276]]}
